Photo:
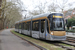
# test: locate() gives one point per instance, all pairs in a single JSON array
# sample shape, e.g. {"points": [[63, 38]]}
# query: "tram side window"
{"points": [[28, 25], [42, 25], [20, 26], [35, 26], [25, 26]]}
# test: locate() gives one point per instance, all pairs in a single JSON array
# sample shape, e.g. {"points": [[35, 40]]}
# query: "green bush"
{"points": [[70, 31], [70, 22]]}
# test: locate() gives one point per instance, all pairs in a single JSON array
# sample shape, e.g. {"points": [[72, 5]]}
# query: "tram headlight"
{"points": [[51, 33]]}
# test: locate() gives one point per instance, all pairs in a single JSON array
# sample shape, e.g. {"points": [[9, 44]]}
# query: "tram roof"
{"points": [[37, 16], [41, 15]]}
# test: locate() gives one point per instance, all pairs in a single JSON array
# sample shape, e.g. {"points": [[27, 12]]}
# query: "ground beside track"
{"points": [[8, 41]]}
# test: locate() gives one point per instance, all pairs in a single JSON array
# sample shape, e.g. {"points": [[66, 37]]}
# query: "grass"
{"points": [[44, 44]]}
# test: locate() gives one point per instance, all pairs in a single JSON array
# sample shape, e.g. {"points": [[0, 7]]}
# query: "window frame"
{"points": [[28, 24], [43, 26], [35, 26], [19, 25]]}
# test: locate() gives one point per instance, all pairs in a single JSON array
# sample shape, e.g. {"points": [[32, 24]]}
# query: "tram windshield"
{"points": [[58, 24]]}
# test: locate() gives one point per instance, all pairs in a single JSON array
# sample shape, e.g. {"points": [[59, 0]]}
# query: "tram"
{"points": [[49, 26]]}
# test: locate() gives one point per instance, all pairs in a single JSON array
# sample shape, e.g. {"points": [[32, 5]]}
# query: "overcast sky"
{"points": [[30, 4]]}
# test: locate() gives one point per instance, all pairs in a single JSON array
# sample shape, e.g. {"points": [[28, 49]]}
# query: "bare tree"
{"points": [[11, 12], [63, 4], [39, 9], [34, 12], [52, 7]]}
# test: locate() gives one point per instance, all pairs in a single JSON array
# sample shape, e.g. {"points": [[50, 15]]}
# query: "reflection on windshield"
{"points": [[58, 25]]}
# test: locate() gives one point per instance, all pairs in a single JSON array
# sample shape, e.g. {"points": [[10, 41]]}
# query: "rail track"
{"points": [[58, 43], [67, 42], [65, 47], [71, 39]]}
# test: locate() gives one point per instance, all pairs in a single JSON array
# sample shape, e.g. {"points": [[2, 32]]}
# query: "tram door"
{"points": [[28, 33], [42, 28]]}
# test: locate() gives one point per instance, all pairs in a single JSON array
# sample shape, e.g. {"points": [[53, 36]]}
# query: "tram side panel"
{"points": [[42, 29], [25, 29], [28, 33], [35, 29], [47, 34], [22, 27]]}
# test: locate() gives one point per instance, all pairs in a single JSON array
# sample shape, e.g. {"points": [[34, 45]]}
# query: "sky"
{"points": [[30, 5]]}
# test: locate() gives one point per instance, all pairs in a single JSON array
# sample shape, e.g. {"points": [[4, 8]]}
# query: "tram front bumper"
{"points": [[57, 38]]}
